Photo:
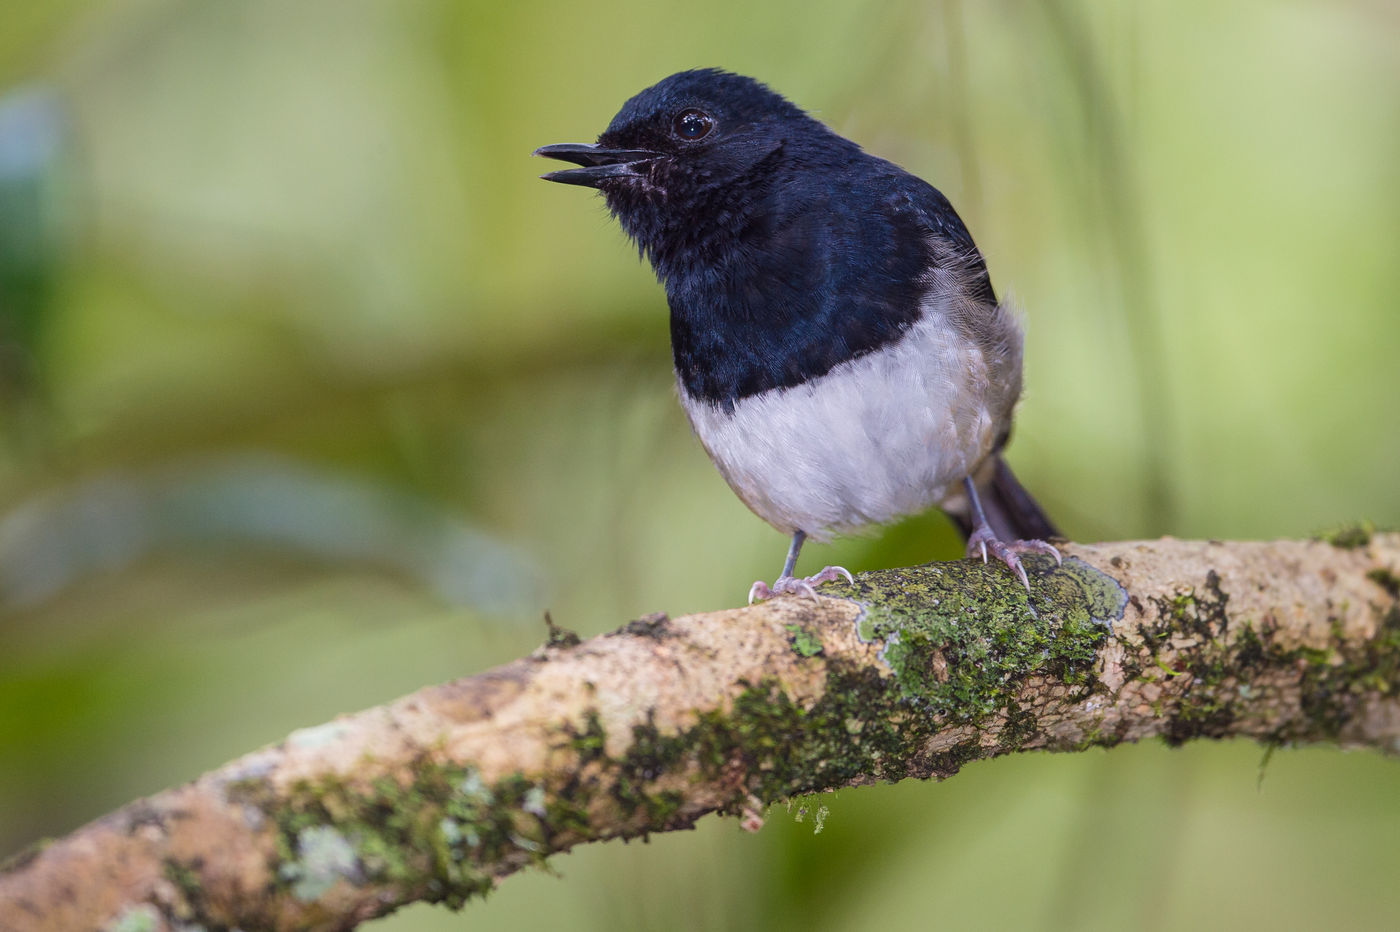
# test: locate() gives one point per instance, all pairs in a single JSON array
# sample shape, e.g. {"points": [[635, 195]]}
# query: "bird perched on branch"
{"points": [[837, 343]]}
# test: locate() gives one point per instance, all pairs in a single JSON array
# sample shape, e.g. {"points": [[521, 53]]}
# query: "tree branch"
{"points": [[908, 673]]}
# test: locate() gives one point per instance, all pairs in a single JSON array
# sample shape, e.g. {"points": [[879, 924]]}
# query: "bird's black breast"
{"points": [[804, 291]]}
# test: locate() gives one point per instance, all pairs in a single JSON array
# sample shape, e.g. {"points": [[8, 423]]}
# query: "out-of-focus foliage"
{"points": [[312, 393]]}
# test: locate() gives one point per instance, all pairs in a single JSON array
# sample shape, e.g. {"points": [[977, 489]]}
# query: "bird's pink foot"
{"points": [[789, 585], [983, 541]]}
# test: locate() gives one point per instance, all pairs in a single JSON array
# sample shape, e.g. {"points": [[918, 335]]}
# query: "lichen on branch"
{"points": [[907, 673]]}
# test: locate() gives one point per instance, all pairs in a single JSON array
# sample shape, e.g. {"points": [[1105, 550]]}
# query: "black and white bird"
{"points": [[838, 346]]}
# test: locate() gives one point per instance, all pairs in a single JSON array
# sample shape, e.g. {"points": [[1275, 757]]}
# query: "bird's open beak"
{"points": [[599, 164]]}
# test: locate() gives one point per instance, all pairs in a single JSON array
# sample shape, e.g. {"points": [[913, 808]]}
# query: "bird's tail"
{"points": [[1013, 513]]}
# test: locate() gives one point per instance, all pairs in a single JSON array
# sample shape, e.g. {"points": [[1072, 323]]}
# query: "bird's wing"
{"points": [[914, 204]]}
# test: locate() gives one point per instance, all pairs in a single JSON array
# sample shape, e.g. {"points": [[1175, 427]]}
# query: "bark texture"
{"points": [[908, 673]]}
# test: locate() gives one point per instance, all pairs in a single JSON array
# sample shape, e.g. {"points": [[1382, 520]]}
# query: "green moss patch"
{"points": [[804, 643], [1229, 662], [437, 839], [961, 641], [1386, 579], [1349, 536]]}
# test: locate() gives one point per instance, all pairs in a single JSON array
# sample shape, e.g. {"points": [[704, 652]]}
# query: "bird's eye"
{"points": [[693, 124]]}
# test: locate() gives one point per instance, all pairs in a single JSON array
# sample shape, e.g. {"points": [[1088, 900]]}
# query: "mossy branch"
{"points": [[908, 673]]}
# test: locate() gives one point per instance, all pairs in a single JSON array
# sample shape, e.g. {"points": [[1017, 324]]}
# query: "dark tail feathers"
{"points": [[1011, 511]]}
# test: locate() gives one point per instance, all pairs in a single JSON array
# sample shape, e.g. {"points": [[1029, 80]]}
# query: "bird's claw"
{"points": [[791, 585], [1038, 546], [985, 542]]}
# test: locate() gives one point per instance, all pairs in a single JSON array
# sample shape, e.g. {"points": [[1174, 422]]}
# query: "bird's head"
{"points": [[685, 163]]}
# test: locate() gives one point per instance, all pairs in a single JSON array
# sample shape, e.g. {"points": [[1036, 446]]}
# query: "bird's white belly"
{"points": [[877, 438]]}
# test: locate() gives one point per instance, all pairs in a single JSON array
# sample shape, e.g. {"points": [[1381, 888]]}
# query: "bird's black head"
{"points": [[686, 163]]}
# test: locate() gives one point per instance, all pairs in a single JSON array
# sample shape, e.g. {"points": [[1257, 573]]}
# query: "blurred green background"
{"points": [[312, 394]]}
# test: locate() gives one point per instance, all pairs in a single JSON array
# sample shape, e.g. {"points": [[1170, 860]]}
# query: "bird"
{"points": [[838, 347]]}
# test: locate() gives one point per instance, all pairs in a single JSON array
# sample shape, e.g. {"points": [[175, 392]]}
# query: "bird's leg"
{"points": [[984, 540], [787, 585]]}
